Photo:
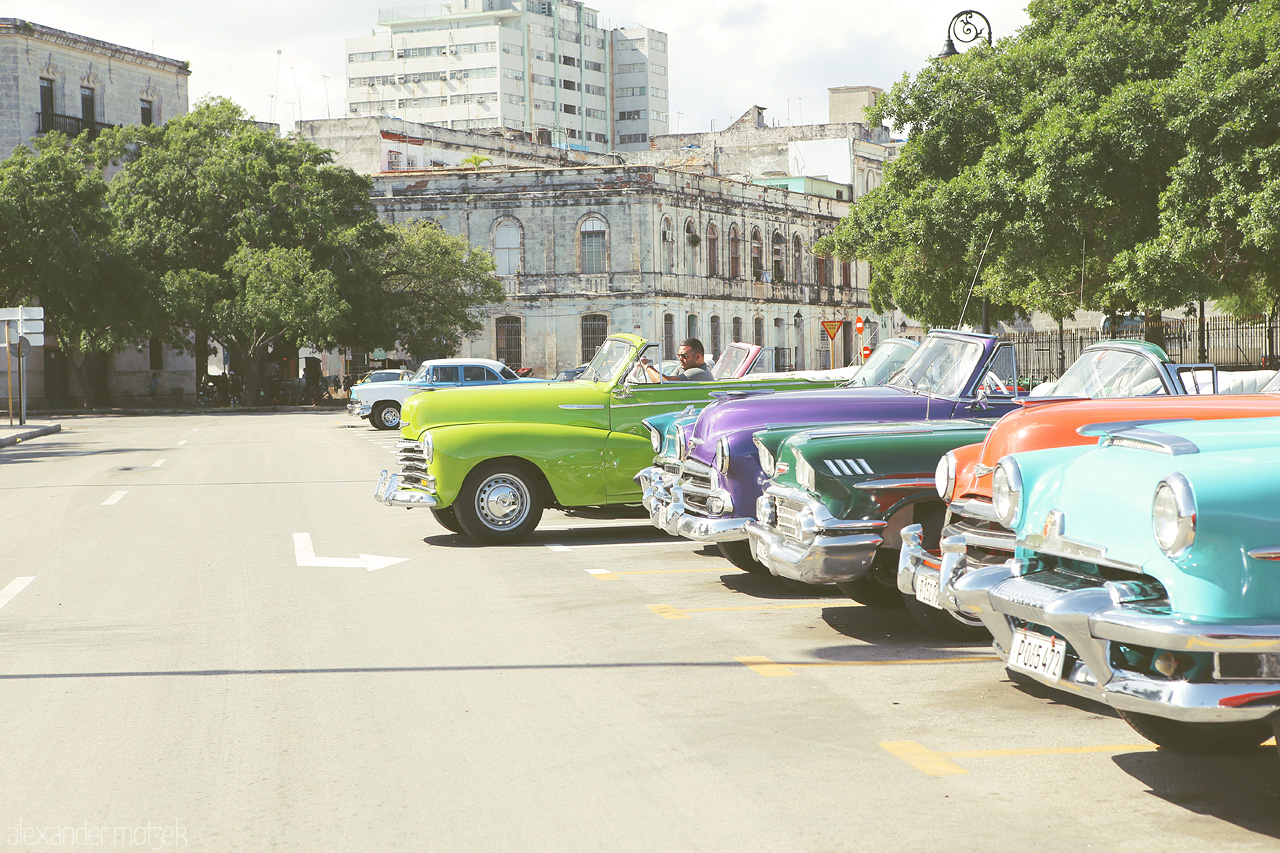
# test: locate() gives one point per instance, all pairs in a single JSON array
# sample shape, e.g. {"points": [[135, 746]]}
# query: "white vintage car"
{"points": [[381, 402]]}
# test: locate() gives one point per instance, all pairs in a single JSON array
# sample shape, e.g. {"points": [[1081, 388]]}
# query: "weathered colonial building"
{"points": [[587, 251], [51, 80]]}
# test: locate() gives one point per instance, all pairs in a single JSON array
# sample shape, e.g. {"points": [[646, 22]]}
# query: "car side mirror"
{"points": [[979, 403]]}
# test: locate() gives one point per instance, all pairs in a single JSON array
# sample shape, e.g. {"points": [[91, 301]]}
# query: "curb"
{"points": [[34, 432]]}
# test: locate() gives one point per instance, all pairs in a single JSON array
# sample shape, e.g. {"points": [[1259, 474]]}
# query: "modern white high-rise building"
{"points": [[541, 67]]}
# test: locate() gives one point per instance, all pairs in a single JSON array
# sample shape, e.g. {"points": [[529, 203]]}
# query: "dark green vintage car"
{"points": [[487, 461], [839, 497]]}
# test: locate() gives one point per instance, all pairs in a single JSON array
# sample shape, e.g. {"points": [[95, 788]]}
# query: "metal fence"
{"points": [[1228, 343]]}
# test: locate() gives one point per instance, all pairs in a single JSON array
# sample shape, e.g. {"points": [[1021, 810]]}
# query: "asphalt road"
{"points": [[172, 678]]}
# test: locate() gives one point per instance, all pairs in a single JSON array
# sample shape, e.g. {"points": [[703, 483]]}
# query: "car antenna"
{"points": [[964, 307]]}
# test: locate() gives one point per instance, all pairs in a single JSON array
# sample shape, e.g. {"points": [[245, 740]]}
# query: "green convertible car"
{"points": [[487, 461]]}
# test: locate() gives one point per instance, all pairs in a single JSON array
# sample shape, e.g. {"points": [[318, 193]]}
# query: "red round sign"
{"points": [[858, 325], [866, 352]]}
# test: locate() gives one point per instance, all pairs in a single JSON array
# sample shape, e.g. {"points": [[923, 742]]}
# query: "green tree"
{"points": [[58, 249], [258, 240], [1041, 161], [475, 160], [436, 287]]}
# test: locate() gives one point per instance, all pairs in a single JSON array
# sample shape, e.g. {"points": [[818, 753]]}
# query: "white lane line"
{"points": [[605, 525], [115, 498], [599, 572], [15, 586], [158, 463], [180, 443]]}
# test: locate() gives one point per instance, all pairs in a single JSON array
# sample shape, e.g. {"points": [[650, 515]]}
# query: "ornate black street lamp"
{"points": [[964, 29]]}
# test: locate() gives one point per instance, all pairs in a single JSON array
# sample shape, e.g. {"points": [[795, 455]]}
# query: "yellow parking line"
{"points": [[603, 574], [925, 760], [759, 664], [1048, 750], [668, 612], [670, 571], [764, 666]]}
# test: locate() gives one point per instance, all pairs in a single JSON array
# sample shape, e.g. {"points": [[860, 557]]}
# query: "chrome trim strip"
{"points": [[1269, 553], [1060, 546], [974, 508], [891, 483], [582, 405]]}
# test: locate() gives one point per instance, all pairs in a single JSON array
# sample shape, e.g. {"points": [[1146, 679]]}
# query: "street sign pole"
{"points": [[22, 375], [8, 371]]}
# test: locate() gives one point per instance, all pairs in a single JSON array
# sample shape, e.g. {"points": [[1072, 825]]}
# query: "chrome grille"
{"points": [[695, 481], [788, 522]]}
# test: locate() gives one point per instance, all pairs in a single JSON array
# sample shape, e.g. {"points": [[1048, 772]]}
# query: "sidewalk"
{"points": [[10, 435]]}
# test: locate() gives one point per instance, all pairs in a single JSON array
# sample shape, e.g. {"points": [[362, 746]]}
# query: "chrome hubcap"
{"points": [[502, 501]]}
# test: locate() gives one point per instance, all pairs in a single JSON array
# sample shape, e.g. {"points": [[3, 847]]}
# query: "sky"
{"points": [[285, 61]]}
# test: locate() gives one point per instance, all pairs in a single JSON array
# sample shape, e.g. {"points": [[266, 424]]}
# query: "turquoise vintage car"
{"points": [[839, 497], [1144, 576], [488, 461]]}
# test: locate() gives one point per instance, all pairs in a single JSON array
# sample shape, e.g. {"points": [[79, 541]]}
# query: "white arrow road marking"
{"points": [[180, 443], [15, 586], [306, 556], [115, 498], [158, 463]]}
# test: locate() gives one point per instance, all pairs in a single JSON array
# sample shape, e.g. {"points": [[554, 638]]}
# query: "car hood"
{"points": [[836, 405], [570, 403]]}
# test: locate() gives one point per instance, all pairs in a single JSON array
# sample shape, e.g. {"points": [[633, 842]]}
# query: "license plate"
{"points": [[1037, 654], [927, 591]]}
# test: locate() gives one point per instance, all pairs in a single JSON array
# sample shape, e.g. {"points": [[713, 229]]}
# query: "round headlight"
{"points": [[682, 444], [655, 439], [722, 454], [806, 477], [1006, 492], [944, 476], [766, 458], [1173, 515]]}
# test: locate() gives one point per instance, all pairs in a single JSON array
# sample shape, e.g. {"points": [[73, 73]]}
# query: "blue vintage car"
{"points": [[705, 485], [1144, 576]]}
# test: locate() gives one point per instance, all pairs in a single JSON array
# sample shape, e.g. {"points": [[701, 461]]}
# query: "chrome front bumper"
{"points": [[391, 492], [358, 409], [1091, 620], [818, 547], [662, 494]]}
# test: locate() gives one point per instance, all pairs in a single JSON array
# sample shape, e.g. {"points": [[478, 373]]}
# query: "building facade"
{"points": [[51, 80], [588, 251], [543, 68], [55, 80]]}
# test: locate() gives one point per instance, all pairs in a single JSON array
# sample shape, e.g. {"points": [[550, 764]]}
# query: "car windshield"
{"points": [[612, 356], [420, 375], [942, 366], [886, 358], [730, 360], [1110, 373], [1273, 384]]}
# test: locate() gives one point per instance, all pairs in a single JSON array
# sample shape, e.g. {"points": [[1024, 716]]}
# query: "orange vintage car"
{"points": [[971, 537]]}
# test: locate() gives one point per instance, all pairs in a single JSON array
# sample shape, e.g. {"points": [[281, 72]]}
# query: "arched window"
{"points": [[735, 252], [668, 246], [507, 341], [737, 328], [797, 256], [691, 241], [594, 246], [507, 239], [595, 328], [669, 335], [757, 332], [691, 326], [757, 254], [713, 249], [716, 344], [779, 257]]}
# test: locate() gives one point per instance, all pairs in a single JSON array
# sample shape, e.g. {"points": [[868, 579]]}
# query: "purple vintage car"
{"points": [[705, 485]]}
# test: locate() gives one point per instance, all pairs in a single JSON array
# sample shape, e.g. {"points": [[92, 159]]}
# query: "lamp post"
{"points": [[797, 362], [964, 29]]}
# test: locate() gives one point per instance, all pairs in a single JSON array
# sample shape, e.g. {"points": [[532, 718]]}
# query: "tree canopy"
{"points": [[1107, 157]]}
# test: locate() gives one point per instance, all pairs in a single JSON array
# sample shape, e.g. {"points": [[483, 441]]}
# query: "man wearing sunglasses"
{"points": [[693, 364]]}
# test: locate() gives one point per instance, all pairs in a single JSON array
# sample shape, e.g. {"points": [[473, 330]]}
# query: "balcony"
{"points": [[70, 125]]}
